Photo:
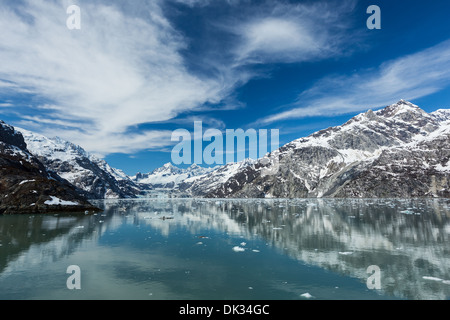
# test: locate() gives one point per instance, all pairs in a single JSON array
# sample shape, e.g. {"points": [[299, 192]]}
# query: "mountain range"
{"points": [[400, 151], [93, 177]]}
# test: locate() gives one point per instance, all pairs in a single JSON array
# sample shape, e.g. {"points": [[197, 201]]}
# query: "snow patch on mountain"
{"points": [[55, 201]]}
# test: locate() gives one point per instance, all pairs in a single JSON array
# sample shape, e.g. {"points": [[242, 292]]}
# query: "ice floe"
{"points": [[238, 249], [345, 253]]}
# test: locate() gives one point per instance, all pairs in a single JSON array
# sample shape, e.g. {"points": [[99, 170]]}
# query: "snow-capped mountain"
{"points": [[201, 185], [399, 151], [25, 184], [94, 177], [169, 176]]}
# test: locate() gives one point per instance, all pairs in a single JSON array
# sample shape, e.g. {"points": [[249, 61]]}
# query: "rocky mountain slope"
{"points": [[94, 177], [399, 151], [25, 184], [203, 184]]}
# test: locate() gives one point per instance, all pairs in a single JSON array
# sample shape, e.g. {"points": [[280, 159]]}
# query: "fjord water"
{"points": [[231, 249]]}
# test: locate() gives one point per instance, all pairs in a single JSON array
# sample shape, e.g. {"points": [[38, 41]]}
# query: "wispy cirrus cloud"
{"points": [[119, 70], [125, 66], [408, 77]]}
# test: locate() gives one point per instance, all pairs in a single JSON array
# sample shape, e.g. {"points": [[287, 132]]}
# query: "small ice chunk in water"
{"points": [[432, 278], [436, 279], [238, 249], [306, 295], [345, 252]]}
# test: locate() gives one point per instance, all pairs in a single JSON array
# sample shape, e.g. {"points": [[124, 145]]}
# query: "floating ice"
{"points": [[436, 279], [432, 278], [408, 211], [306, 295], [238, 249]]}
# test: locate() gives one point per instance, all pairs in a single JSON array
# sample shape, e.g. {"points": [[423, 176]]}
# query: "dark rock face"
{"points": [[405, 173], [9, 136], [25, 185]]}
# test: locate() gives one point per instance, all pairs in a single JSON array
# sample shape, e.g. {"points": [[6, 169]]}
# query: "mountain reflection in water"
{"points": [[408, 239]]}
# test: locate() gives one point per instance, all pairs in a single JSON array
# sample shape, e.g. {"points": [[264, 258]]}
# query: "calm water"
{"points": [[231, 249]]}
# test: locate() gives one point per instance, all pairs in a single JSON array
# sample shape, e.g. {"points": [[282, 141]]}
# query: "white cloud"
{"points": [[282, 32], [124, 67], [409, 77], [116, 72], [192, 3], [273, 36]]}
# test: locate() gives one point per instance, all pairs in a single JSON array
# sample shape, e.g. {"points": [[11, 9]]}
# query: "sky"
{"points": [[122, 76]]}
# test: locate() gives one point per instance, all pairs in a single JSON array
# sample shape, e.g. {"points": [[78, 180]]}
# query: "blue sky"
{"points": [[138, 70]]}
